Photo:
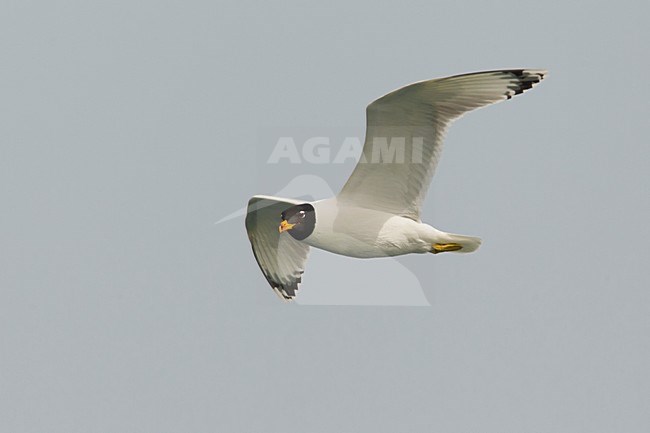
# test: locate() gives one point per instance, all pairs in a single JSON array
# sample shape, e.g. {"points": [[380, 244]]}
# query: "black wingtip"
{"points": [[287, 293], [525, 79]]}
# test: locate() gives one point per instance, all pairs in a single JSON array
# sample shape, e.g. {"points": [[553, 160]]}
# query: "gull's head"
{"points": [[299, 221]]}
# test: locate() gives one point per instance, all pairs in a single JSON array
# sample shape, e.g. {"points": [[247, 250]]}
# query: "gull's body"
{"points": [[377, 213], [359, 232]]}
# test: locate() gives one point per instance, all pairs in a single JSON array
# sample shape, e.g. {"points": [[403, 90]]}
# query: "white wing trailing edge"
{"points": [[281, 258], [394, 178]]}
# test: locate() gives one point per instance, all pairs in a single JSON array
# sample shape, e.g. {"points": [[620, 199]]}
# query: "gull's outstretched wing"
{"points": [[405, 130], [281, 258]]}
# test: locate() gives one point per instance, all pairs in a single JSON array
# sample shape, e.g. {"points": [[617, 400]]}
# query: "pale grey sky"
{"points": [[128, 128]]}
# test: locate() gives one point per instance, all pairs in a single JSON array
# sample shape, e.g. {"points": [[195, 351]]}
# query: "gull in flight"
{"points": [[377, 213]]}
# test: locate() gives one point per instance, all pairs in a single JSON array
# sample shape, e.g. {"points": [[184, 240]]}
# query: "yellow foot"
{"points": [[443, 248]]}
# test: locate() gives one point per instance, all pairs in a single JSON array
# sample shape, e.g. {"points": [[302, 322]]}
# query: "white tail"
{"points": [[469, 243]]}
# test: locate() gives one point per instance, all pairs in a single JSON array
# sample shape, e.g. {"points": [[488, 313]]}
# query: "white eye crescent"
{"points": [[302, 214]]}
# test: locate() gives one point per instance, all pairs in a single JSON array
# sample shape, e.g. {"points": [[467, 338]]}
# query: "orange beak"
{"points": [[284, 226]]}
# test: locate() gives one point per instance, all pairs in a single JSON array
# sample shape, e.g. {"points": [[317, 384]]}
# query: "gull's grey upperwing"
{"points": [[419, 114]]}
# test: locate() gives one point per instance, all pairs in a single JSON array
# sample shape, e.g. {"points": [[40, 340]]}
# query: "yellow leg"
{"points": [[443, 248]]}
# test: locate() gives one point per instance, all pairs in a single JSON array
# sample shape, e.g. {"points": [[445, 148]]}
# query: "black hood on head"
{"points": [[303, 216]]}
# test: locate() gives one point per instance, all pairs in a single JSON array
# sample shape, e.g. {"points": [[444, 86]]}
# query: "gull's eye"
{"points": [[302, 214]]}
